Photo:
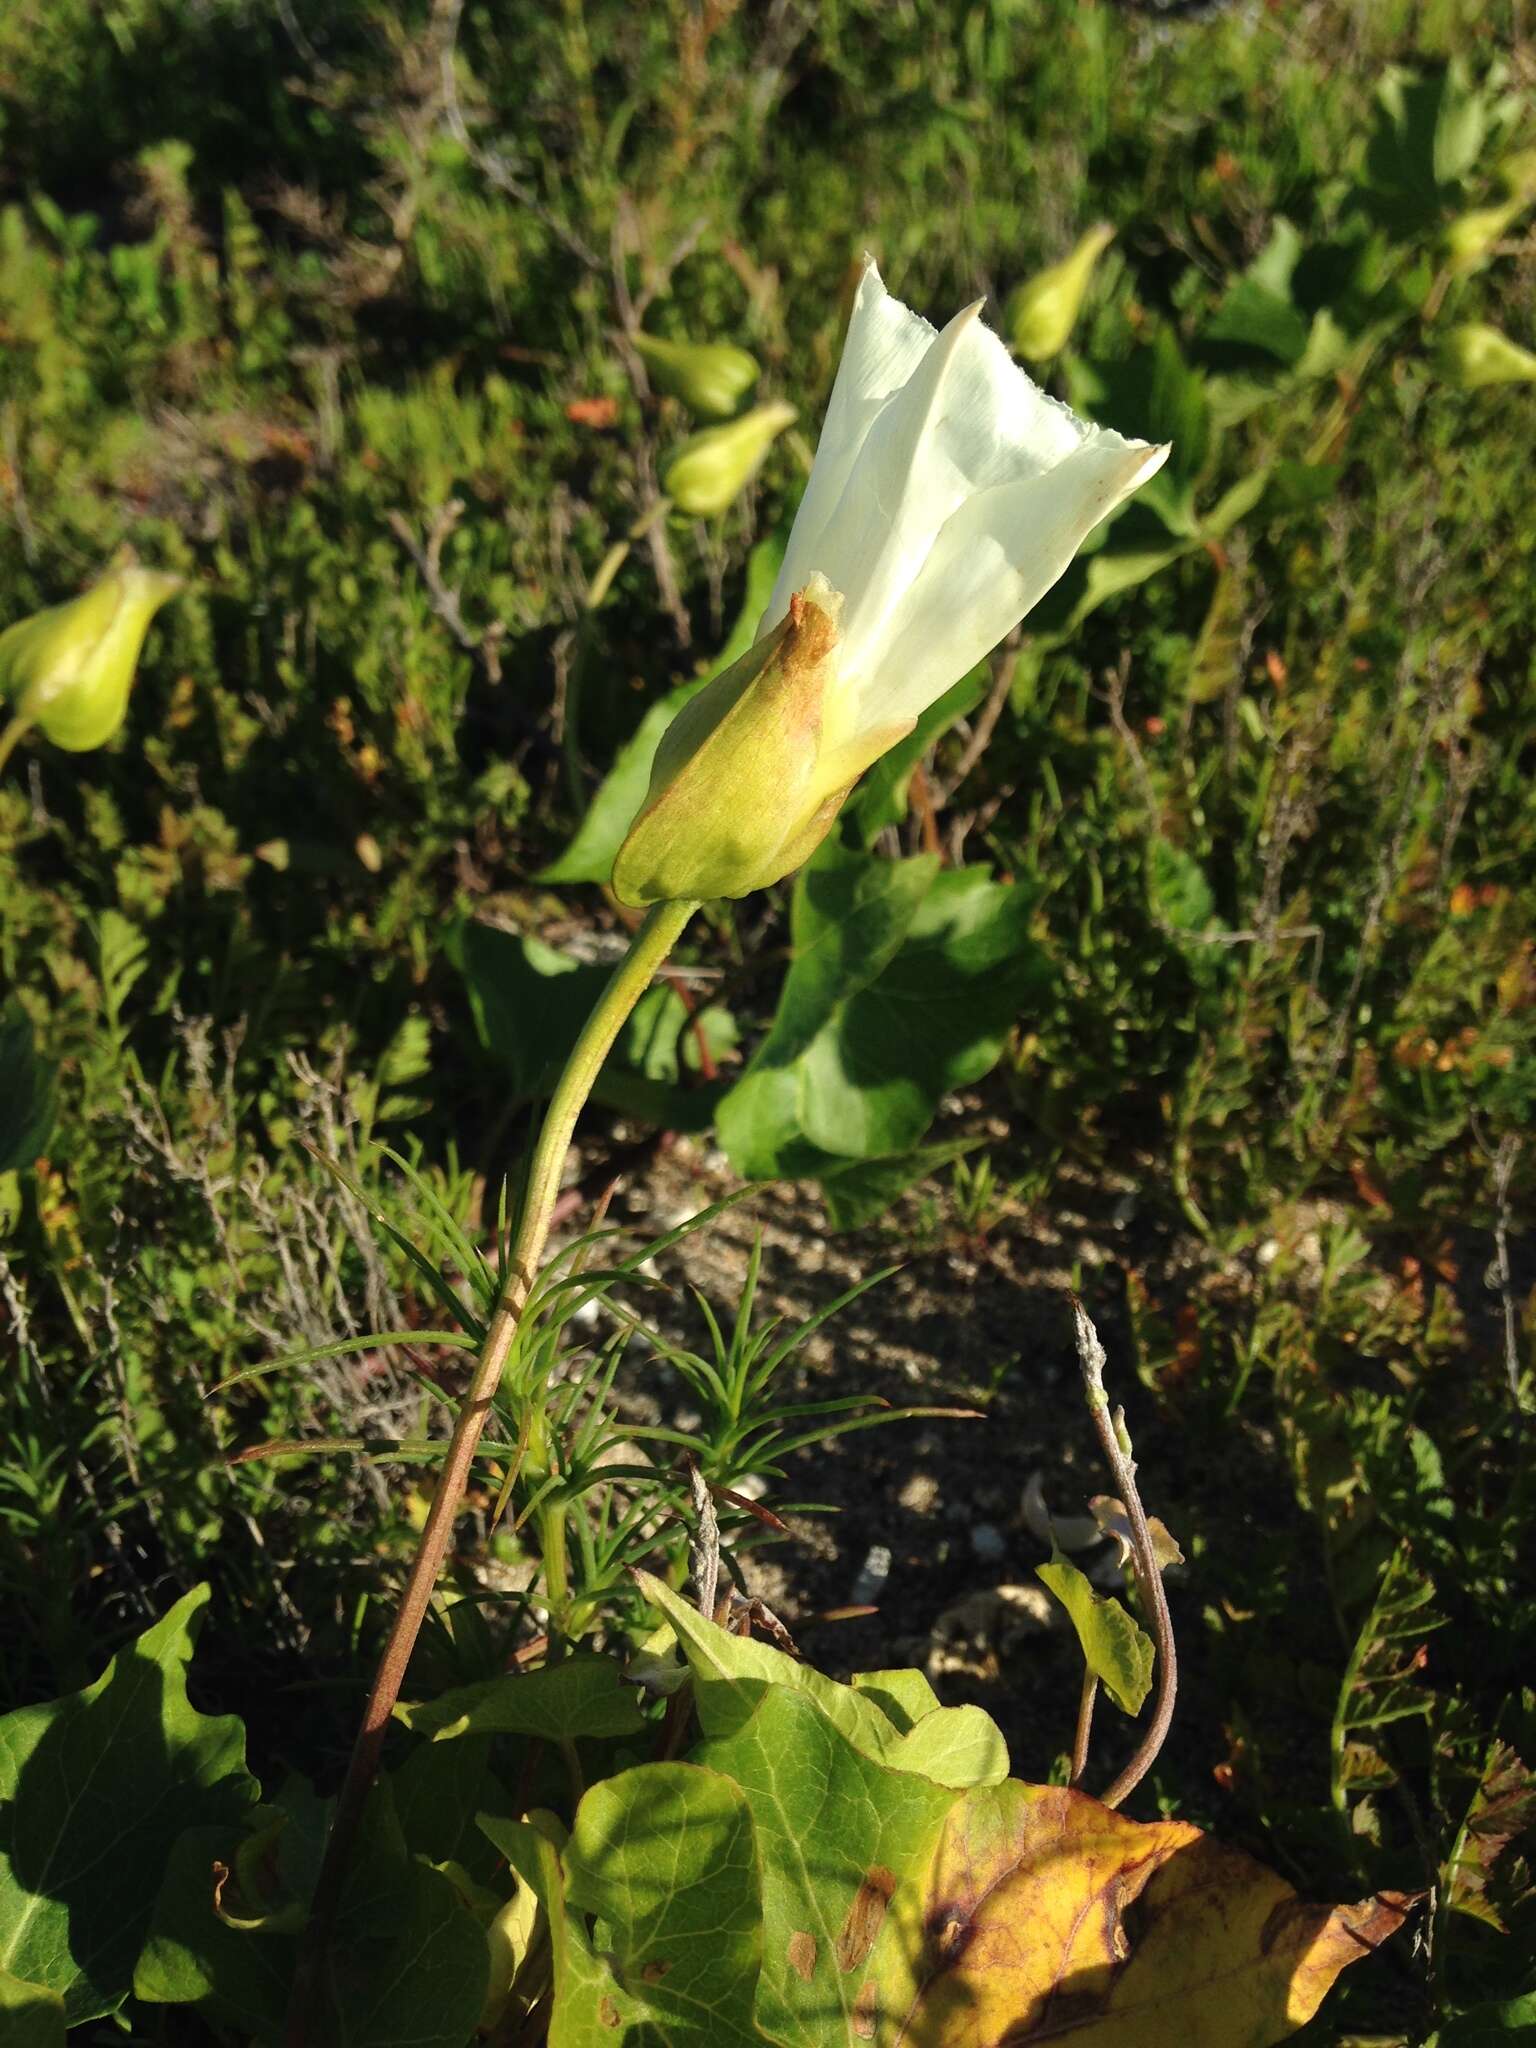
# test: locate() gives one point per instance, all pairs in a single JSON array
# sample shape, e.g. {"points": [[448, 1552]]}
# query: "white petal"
{"points": [[993, 560], [967, 420], [884, 345], [899, 493], [998, 425]]}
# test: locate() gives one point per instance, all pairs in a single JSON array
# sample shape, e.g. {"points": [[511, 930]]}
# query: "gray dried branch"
{"points": [[1116, 1446]]}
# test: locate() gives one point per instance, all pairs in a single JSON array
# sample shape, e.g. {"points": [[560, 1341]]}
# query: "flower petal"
{"points": [[884, 345], [991, 562], [967, 420], [899, 492], [999, 426]]}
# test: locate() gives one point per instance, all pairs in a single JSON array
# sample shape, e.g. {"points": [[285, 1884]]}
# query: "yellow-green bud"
{"points": [[1471, 237], [1517, 174], [712, 377], [1475, 355], [1042, 311], [744, 788], [509, 1938], [68, 670], [711, 470]]}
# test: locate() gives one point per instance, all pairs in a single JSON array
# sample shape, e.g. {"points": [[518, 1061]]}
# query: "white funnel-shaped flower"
{"points": [[948, 494]]}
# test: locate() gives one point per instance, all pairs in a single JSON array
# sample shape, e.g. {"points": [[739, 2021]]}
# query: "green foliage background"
{"points": [[325, 308]]}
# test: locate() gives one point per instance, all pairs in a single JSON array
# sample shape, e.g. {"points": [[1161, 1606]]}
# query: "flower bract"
{"points": [[712, 469], [68, 670], [712, 377], [1474, 355], [1043, 311]]}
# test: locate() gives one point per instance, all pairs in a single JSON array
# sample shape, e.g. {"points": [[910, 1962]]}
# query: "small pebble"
{"points": [[920, 1494], [872, 1575], [988, 1542]]}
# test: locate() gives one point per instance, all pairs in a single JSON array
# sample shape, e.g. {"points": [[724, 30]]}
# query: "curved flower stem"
{"points": [[650, 946], [19, 725], [1149, 1576]]}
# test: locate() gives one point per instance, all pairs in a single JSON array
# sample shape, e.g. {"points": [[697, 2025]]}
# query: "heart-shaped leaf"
{"points": [[954, 1746], [584, 1695], [1047, 1917], [30, 2016], [1116, 1649], [94, 1790]]}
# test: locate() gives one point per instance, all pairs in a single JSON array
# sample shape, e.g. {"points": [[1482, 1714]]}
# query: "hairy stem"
{"points": [[1080, 1740], [1149, 1576], [653, 941]]}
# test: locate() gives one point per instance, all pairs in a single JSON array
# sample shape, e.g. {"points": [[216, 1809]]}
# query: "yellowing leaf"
{"points": [[1048, 1917]]}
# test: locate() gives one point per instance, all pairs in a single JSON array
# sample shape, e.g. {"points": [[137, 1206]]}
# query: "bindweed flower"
{"points": [[947, 496], [1043, 311], [1475, 354], [712, 377], [711, 470], [68, 670]]}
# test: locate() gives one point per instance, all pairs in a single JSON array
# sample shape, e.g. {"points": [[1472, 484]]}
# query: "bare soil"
{"points": [[982, 1322]]}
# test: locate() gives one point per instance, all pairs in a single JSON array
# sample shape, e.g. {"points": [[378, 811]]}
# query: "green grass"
{"points": [[347, 351]]}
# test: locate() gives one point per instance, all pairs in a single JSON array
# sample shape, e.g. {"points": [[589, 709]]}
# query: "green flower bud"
{"points": [[1471, 237], [710, 376], [1517, 174], [1474, 355], [711, 470], [509, 1937], [68, 670], [1042, 312], [744, 786]]}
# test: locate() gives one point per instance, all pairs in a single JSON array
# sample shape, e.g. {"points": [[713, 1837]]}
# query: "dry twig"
{"points": [[1116, 1446]]}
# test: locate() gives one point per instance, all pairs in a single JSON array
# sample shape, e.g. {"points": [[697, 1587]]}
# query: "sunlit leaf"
{"points": [[1116, 1649], [1045, 1916], [663, 1858], [841, 1838], [904, 984], [955, 1746], [903, 1696]]}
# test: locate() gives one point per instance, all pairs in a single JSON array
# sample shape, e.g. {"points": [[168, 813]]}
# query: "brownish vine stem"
{"points": [[648, 950], [1117, 1455], [1080, 1740]]}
